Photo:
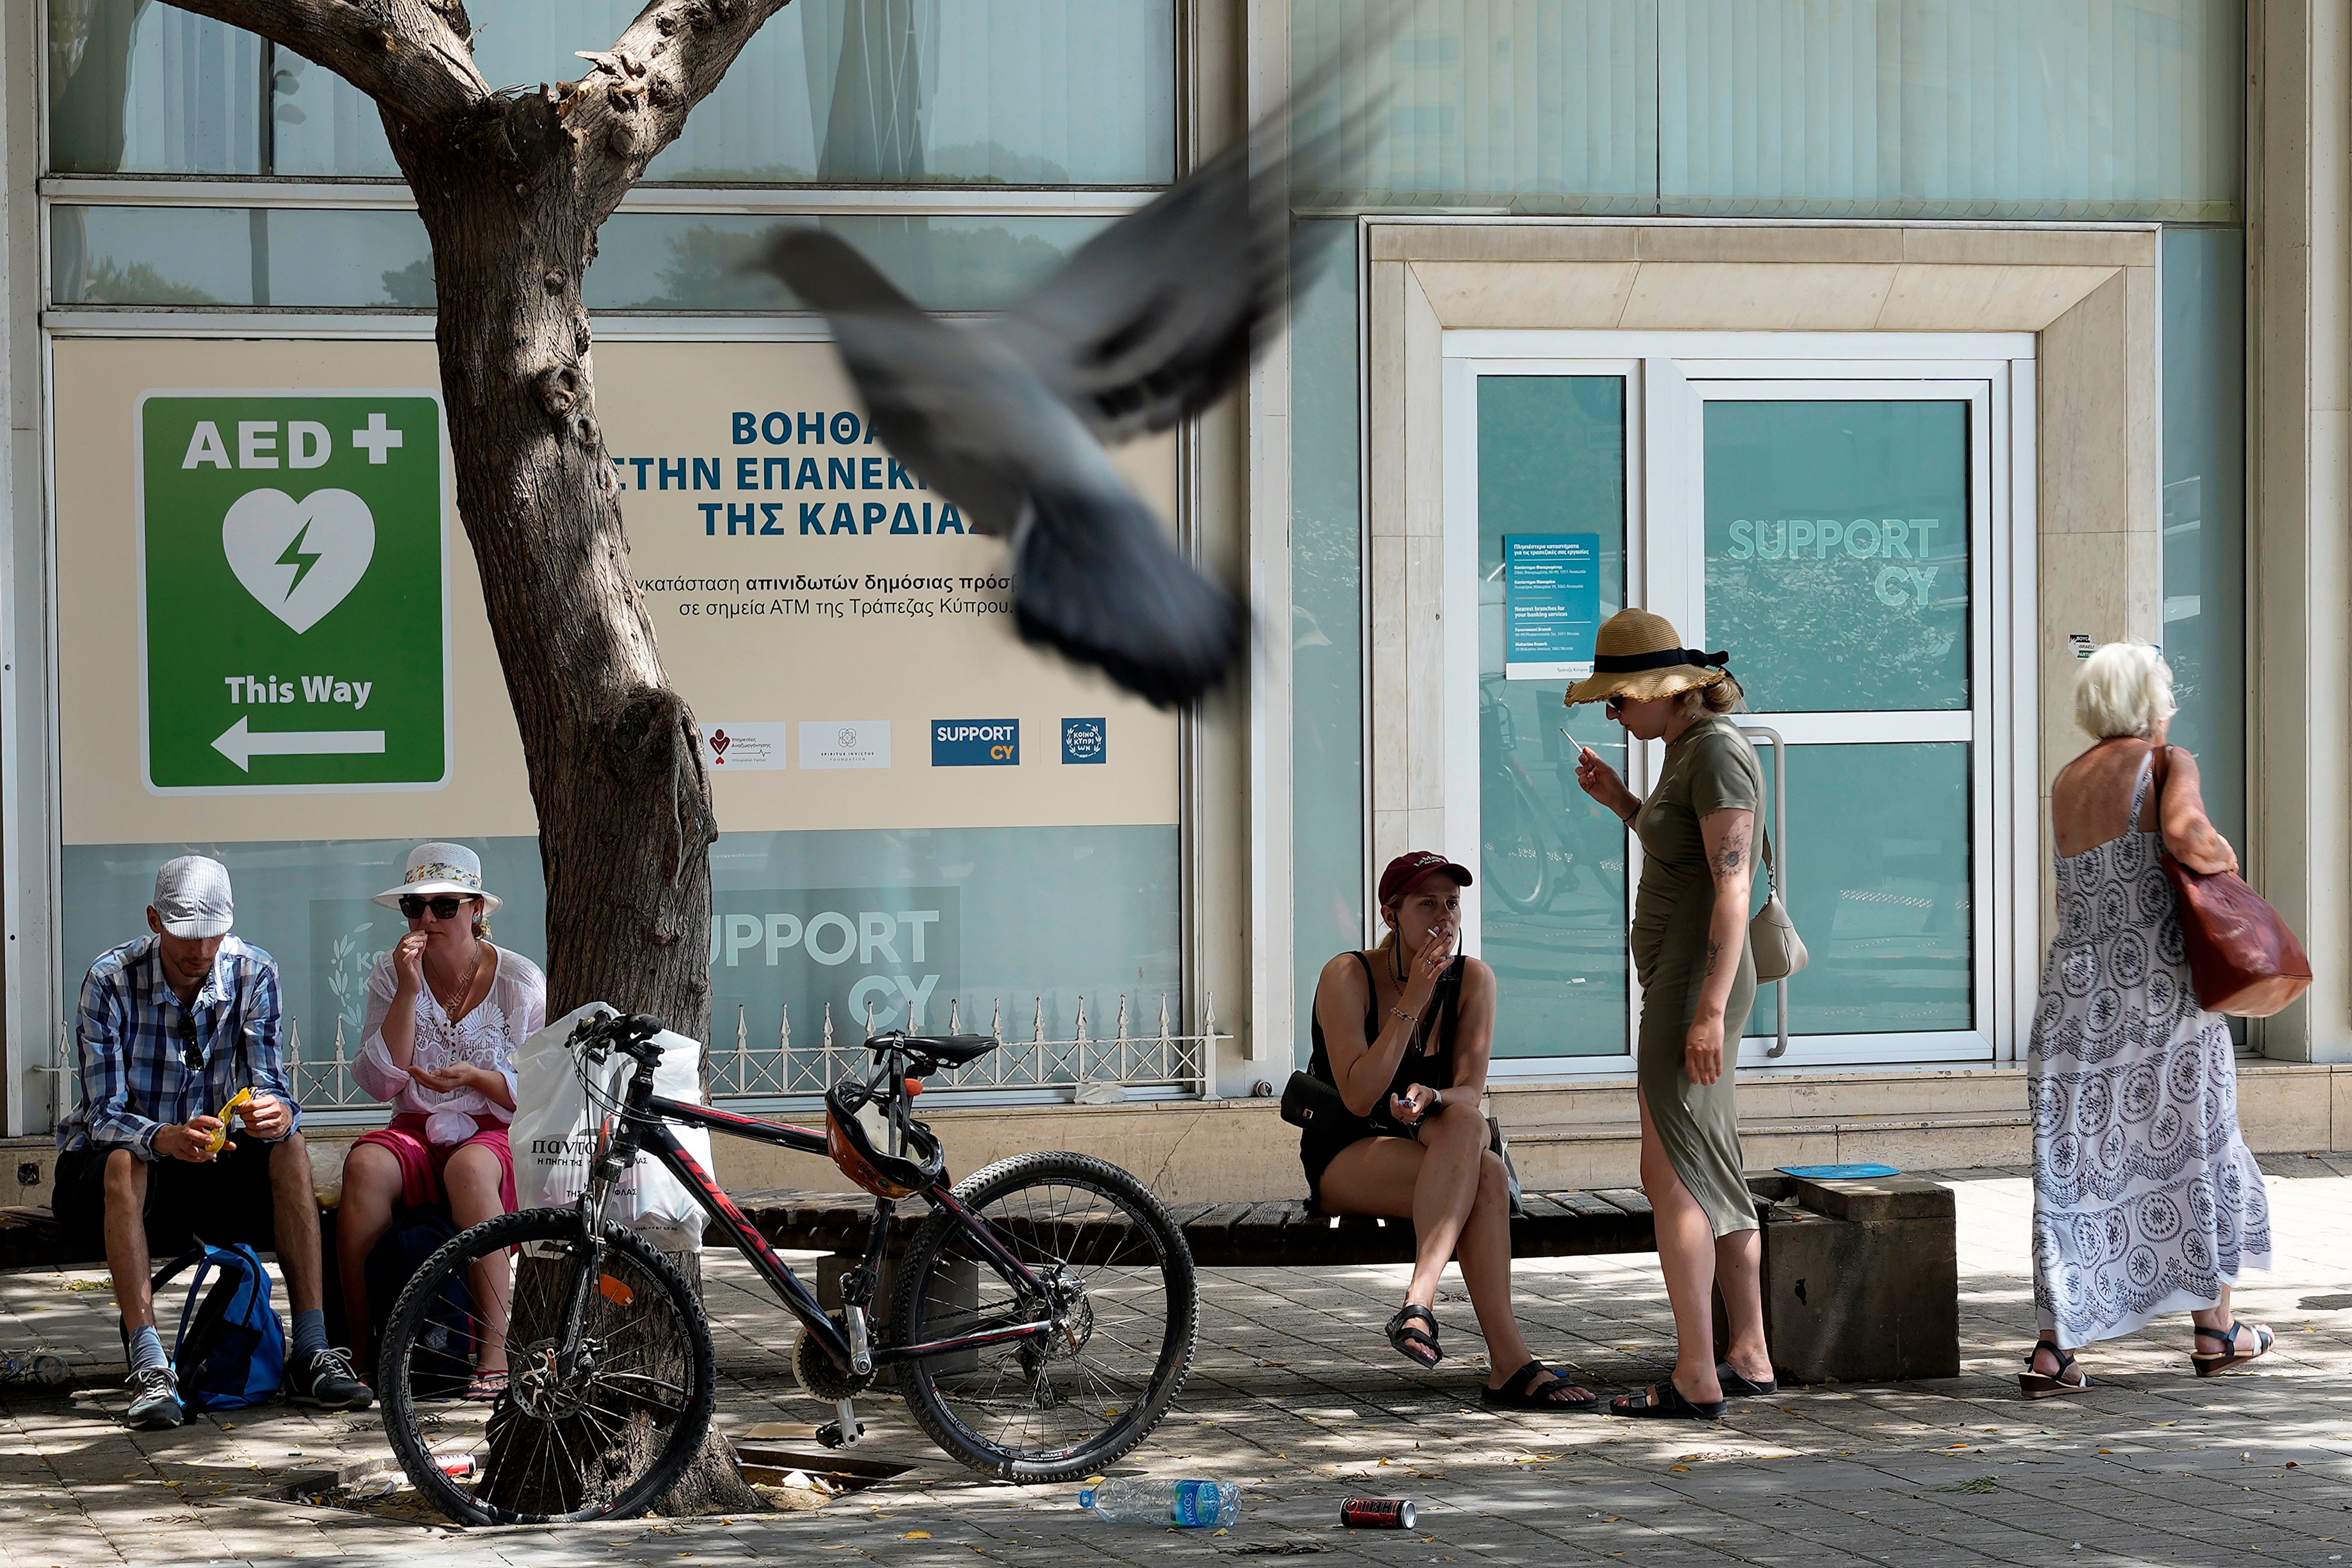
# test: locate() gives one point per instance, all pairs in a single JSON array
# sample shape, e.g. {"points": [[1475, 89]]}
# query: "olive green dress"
{"points": [[1709, 767]]}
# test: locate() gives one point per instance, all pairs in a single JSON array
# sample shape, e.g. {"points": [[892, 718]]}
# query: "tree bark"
{"points": [[513, 189]]}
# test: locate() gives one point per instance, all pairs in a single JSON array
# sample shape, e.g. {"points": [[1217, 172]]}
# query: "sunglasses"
{"points": [[191, 1055], [444, 909]]}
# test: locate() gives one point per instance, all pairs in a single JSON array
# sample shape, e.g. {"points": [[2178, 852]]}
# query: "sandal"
{"points": [[1416, 1345], [1737, 1385], [1521, 1392], [2035, 1384], [1665, 1399], [486, 1387], [2213, 1365]]}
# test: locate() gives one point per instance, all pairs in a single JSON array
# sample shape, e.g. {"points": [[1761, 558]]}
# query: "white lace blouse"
{"points": [[488, 1037]]}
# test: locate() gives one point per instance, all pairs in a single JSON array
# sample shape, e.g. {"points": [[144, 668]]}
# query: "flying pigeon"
{"points": [[1151, 321]]}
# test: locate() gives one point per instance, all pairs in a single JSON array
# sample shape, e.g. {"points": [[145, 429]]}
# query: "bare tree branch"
{"points": [[636, 96], [412, 56]]}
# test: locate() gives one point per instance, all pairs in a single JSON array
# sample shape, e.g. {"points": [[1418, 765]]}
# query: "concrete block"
{"points": [[1867, 1294]]}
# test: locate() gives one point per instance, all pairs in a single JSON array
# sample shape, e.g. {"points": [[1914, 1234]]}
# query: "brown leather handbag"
{"points": [[2242, 958]]}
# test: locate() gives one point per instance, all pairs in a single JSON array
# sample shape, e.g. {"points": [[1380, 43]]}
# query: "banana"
{"points": [[220, 1134]]}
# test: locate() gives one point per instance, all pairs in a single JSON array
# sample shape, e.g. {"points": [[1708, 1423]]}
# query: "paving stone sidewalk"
{"points": [[1295, 1395]]}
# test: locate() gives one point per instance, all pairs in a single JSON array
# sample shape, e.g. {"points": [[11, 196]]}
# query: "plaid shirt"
{"points": [[131, 1050]]}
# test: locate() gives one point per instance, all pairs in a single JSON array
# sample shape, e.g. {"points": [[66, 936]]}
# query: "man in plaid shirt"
{"points": [[172, 1025]]}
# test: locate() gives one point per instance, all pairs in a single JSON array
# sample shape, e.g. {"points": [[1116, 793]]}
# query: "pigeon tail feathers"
{"points": [[1098, 579]]}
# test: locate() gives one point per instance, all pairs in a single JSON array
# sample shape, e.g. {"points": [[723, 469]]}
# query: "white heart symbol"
{"points": [[300, 559]]}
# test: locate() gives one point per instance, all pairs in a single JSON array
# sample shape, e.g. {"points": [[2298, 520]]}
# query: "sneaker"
{"points": [[155, 1400], [325, 1379]]}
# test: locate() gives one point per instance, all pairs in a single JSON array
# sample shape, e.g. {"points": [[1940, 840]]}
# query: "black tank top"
{"points": [[1433, 1067]]}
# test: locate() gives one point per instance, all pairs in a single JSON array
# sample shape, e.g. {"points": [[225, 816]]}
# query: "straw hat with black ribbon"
{"points": [[1640, 657]]}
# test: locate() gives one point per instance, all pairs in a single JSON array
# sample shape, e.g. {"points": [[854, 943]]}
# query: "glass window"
{"points": [[667, 261], [1551, 528], [322, 258], [1878, 886], [1927, 109], [301, 258], [2205, 508], [862, 93], [1010, 924], [1837, 552], [1326, 615], [135, 86], [1534, 105]]}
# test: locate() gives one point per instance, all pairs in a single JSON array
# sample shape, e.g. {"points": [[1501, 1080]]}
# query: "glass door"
{"points": [[1845, 526]]}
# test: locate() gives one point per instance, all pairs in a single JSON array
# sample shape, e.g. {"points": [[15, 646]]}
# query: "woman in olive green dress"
{"points": [[1690, 951]]}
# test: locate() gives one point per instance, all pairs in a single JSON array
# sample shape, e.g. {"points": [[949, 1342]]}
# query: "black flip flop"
{"points": [[1650, 1403], [1520, 1392], [1737, 1385], [1411, 1342]]}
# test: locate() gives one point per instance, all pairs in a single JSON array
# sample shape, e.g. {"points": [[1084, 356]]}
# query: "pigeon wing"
{"points": [[1157, 316]]}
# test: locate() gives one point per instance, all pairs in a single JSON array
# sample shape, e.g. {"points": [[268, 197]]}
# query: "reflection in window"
{"points": [[1878, 867], [322, 258], [1837, 552], [663, 261], [301, 258], [888, 92], [1950, 108], [1552, 871]]}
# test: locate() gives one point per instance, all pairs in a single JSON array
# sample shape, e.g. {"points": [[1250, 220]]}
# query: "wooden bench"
{"points": [[1273, 1235]]}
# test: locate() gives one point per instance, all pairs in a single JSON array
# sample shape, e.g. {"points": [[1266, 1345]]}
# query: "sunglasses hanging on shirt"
{"points": [[191, 1053]]}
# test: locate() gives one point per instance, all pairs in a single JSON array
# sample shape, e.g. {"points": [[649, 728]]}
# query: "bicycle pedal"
{"points": [[829, 1435]]}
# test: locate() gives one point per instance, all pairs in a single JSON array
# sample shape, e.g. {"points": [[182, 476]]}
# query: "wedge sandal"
{"points": [[2035, 1384], [2215, 1362]]}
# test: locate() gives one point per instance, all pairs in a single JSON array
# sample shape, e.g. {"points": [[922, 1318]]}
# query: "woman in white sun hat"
{"points": [[446, 1012]]}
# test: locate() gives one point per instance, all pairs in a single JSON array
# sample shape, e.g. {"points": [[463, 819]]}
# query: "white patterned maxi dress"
{"points": [[2145, 1200]]}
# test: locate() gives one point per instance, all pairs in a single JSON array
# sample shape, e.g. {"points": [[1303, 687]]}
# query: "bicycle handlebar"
{"points": [[633, 1035]]}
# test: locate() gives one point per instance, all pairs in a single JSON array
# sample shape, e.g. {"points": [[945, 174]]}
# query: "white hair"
{"points": [[2125, 689]]}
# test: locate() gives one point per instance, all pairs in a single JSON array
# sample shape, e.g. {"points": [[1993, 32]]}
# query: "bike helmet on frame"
{"points": [[857, 1137]]}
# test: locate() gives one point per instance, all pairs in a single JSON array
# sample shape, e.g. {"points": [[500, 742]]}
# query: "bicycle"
{"points": [[1034, 1337]]}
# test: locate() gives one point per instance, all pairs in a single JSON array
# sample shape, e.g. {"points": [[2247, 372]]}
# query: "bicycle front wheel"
{"points": [[596, 1424], [1113, 1277]]}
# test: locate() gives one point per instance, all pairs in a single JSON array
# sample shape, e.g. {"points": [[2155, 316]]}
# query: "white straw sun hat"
{"points": [[434, 868]]}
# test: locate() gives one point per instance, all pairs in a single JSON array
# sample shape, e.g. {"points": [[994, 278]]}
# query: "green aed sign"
{"points": [[294, 592]]}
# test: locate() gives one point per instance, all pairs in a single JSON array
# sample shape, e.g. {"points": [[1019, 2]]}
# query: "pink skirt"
{"points": [[422, 1163]]}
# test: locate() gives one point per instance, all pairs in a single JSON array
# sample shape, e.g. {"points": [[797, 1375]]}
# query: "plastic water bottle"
{"points": [[1145, 1499]]}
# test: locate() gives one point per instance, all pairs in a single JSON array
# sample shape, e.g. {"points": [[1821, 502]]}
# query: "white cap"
{"points": [[191, 897], [436, 868]]}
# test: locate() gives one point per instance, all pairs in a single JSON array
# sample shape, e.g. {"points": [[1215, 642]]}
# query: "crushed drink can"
{"points": [[1376, 1513]]}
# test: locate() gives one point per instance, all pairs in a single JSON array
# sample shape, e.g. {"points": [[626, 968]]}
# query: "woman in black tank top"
{"points": [[1404, 1032]]}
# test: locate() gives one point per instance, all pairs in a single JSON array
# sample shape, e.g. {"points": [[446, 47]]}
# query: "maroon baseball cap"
{"points": [[1405, 872]]}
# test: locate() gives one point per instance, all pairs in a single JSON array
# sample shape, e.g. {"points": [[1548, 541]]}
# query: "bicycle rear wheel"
{"points": [[1114, 1276], [595, 1426]]}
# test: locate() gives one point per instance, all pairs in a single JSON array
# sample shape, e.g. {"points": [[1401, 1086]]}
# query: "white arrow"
{"points": [[239, 744]]}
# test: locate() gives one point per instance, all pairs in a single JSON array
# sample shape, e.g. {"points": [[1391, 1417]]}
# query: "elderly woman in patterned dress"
{"points": [[446, 1012], [2145, 1198]]}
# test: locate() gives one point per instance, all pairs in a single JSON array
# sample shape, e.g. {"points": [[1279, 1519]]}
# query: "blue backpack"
{"points": [[231, 1350]]}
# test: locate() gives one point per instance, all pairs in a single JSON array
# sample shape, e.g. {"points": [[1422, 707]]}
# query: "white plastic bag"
{"points": [[554, 1132]]}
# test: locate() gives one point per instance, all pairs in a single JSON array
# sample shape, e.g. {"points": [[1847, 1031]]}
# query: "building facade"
{"points": [[1905, 350]]}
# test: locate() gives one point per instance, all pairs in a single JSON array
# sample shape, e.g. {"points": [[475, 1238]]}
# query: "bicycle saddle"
{"points": [[858, 1138], [951, 1050]]}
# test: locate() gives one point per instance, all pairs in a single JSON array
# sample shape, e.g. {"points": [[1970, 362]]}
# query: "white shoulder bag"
{"points": [[1772, 935]]}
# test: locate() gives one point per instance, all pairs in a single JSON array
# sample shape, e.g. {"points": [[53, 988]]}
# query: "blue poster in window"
{"points": [[1551, 604]]}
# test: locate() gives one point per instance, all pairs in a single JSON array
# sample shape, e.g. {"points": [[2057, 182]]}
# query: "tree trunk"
{"points": [[614, 764], [615, 769]]}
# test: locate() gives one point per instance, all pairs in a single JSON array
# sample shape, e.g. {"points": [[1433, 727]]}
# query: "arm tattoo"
{"points": [[1734, 855], [1714, 952]]}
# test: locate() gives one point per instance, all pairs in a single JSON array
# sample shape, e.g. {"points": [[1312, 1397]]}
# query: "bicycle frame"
{"points": [[644, 1129]]}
